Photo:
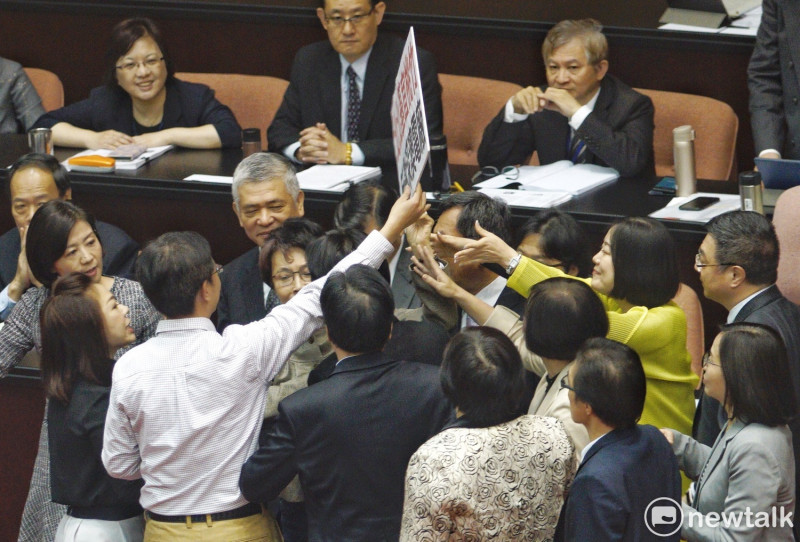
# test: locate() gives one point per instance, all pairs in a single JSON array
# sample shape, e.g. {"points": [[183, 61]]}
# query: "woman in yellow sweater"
{"points": [[635, 275]]}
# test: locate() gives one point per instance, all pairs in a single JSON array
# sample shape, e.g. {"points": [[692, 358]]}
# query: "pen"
{"points": [[458, 187]]}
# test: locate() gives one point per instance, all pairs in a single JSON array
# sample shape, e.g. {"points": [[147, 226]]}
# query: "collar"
{"points": [[489, 295], [359, 362], [359, 66], [589, 447], [740, 305], [194, 324], [591, 103]]}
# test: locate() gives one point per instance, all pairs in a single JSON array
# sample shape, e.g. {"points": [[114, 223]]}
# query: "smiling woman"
{"points": [[142, 102]]}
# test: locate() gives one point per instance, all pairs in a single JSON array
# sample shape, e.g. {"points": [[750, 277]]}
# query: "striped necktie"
{"points": [[353, 105], [577, 148]]}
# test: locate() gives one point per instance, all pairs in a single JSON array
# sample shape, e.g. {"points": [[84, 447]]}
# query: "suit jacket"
{"points": [[750, 468], [314, 96], [119, 253], [350, 438], [618, 133], [620, 475], [771, 309], [187, 105], [773, 78], [241, 299], [488, 481]]}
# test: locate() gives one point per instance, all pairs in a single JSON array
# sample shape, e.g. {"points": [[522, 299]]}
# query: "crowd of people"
{"points": [[398, 377]]}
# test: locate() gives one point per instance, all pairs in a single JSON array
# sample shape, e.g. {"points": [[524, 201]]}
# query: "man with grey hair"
{"points": [[582, 114], [265, 193]]}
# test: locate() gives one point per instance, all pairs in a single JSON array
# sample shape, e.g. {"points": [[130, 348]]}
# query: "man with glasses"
{"points": [[626, 466], [337, 107], [738, 266]]}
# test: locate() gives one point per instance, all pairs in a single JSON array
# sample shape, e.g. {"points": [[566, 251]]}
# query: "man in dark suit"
{"points": [[774, 81], [738, 266], [625, 467], [337, 107], [582, 114], [265, 193], [350, 437], [35, 179]]}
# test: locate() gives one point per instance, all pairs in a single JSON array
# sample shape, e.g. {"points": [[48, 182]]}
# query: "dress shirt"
{"points": [[575, 121], [734, 312], [186, 407], [489, 295], [589, 446], [6, 304], [20, 105], [360, 67]]}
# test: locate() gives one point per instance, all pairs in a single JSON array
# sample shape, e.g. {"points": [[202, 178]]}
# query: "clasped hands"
{"points": [[531, 100], [319, 146]]}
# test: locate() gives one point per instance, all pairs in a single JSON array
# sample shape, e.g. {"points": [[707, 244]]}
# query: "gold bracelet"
{"points": [[348, 154]]}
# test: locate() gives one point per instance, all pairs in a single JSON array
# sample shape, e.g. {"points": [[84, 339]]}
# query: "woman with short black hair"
{"points": [[490, 474], [142, 102], [749, 473]]}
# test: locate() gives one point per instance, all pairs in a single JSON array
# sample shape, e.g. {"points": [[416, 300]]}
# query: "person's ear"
{"points": [[321, 17], [601, 68], [737, 275]]}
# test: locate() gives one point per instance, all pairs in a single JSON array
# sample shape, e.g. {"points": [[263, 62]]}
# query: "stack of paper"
{"points": [[561, 176], [331, 178], [528, 198], [125, 165], [727, 202]]}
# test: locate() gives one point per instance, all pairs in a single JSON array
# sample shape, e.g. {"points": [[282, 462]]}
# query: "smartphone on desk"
{"points": [[699, 203], [665, 187]]}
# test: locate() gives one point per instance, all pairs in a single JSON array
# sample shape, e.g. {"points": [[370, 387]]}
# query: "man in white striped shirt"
{"points": [[186, 406]]}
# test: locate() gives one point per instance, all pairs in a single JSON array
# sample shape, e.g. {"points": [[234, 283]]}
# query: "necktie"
{"points": [[353, 105], [577, 149]]}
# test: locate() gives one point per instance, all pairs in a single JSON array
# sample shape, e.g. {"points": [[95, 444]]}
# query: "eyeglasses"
{"points": [[217, 270], [355, 20], [564, 384], [707, 360], [285, 278], [509, 172], [149, 63], [698, 264]]}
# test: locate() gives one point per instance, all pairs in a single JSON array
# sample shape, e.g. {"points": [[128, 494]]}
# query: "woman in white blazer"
{"points": [[749, 472]]}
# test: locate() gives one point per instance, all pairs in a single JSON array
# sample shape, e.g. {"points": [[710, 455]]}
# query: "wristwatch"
{"points": [[512, 265]]}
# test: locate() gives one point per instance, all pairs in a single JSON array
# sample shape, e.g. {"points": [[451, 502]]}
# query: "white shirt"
{"points": [[186, 406], [589, 447], [489, 295]]}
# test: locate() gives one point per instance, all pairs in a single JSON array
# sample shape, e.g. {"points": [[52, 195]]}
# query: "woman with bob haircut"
{"points": [[83, 325], [61, 239], [555, 239], [490, 474], [635, 275], [750, 470], [142, 102]]}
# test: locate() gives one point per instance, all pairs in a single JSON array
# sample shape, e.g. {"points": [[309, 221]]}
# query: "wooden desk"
{"points": [[154, 200]]}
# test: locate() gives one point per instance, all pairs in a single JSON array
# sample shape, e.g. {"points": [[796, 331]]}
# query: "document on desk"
{"points": [[528, 198], [334, 178], [727, 202], [126, 165], [561, 176]]}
